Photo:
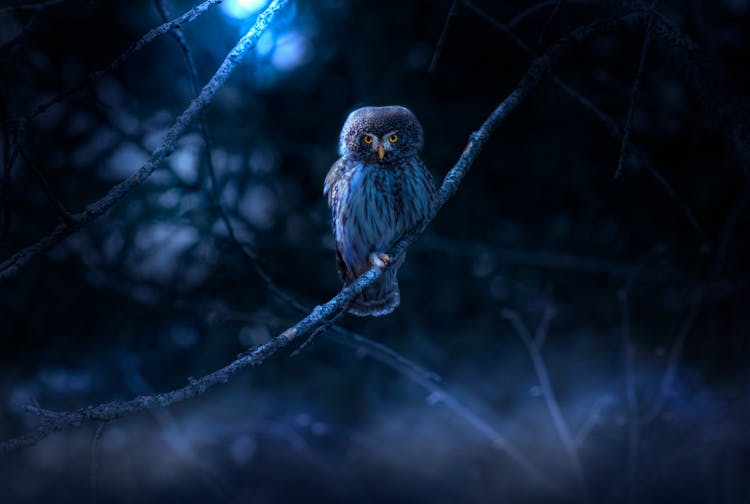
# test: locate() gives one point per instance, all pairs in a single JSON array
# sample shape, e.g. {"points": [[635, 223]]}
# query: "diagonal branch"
{"points": [[10, 267], [634, 93], [553, 405], [443, 37], [152, 34], [37, 6], [55, 422], [62, 212]]}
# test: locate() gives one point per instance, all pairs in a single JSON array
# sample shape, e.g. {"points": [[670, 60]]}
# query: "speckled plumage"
{"points": [[376, 198]]}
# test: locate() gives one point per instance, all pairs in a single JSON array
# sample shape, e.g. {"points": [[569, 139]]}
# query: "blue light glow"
{"points": [[292, 50], [265, 43], [240, 9]]}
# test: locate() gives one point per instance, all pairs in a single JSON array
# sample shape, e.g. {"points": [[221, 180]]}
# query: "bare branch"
{"points": [[634, 93], [548, 392], [31, 6], [592, 419], [631, 394], [160, 30], [95, 460], [548, 22], [62, 212], [10, 267], [443, 37], [533, 9], [673, 362]]}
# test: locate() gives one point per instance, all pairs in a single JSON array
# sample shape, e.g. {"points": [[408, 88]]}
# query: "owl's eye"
{"points": [[367, 139], [393, 138]]}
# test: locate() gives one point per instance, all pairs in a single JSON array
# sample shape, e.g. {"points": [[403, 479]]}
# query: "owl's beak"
{"points": [[381, 152]]}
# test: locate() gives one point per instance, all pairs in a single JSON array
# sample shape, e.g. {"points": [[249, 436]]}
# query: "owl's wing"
{"points": [[329, 186], [332, 189]]}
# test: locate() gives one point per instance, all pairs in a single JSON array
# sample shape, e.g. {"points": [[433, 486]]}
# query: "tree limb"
{"points": [[634, 94], [152, 34]]}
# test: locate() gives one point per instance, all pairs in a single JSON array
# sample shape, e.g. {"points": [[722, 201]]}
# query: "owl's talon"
{"points": [[380, 259]]}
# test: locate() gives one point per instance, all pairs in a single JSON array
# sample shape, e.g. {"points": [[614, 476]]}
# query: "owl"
{"points": [[377, 191]]}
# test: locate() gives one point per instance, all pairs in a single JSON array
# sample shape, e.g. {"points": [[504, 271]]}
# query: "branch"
{"points": [[58, 205], [548, 392], [673, 362], [631, 392], [592, 419], [152, 34], [10, 267], [443, 37], [31, 6], [634, 93], [55, 422], [530, 11]]}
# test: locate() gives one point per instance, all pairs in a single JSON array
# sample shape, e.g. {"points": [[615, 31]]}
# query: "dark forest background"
{"points": [[639, 284]]}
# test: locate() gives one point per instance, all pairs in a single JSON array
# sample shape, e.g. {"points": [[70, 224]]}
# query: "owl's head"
{"points": [[381, 134]]}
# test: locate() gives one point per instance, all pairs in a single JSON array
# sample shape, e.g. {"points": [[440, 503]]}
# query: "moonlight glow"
{"points": [[240, 9]]}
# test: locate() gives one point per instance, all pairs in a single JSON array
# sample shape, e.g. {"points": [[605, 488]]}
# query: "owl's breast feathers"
{"points": [[373, 205]]}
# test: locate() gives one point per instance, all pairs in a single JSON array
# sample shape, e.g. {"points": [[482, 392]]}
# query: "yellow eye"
{"points": [[367, 139], [393, 138]]}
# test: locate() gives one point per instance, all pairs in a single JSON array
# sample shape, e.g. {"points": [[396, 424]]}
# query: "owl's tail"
{"points": [[379, 298]]}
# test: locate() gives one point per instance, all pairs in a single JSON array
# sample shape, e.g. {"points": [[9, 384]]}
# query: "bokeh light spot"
{"points": [[240, 9], [292, 50]]}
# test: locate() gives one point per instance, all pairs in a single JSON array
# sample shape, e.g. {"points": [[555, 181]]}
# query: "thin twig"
{"points": [[631, 394], [673, 361], [592, 419], [31, 6], [12, 143], [25, 30], [530, 11], [543, 327], [214, 191], [321, 329], [452, 12], [152, 34], [549, 20], [548, 392], [634, 93], [318, 316], [10, 267], [62, 212], [95, 460]]}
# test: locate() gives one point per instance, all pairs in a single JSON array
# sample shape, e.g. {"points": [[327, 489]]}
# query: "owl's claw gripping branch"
{"points": [[380, 259]]}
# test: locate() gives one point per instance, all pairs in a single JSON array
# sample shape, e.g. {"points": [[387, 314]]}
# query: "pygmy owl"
{"points": [[377, 190]]}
